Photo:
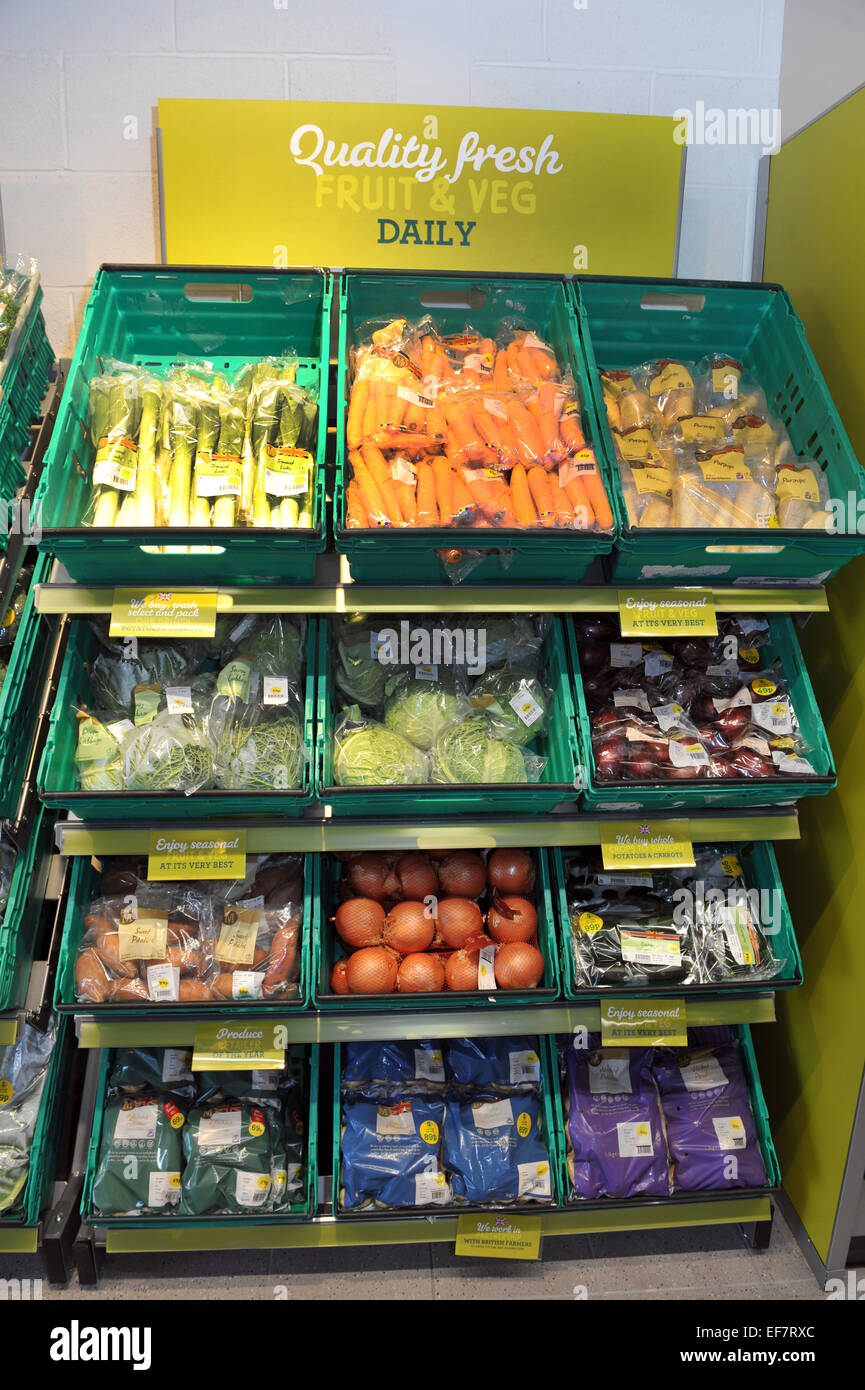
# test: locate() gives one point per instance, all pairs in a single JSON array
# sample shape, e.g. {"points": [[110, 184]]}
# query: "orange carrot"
{"points": [[370, 494], [571, 431], [597, 495], [542, 495], [378, 467], [356, 408], [584, 516], [443, 474], [464, 441], [524, 432], [524, 507], [546, 367], [464, 504], [427, 510], [527, 365], [492, 497], [407, 499], [563, 511], [355, 512], [501, 380]]}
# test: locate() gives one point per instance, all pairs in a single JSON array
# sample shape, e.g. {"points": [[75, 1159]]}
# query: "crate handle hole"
{"points": [[160, 549], [453, 299], [745, 549], [205, 293], [681, 303]]}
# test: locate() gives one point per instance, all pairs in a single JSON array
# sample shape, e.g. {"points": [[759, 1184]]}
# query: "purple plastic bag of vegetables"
{"points": [[711, 1133], [614, 1124]]}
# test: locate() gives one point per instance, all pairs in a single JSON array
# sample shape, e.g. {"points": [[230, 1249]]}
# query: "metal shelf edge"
{"points": [[478, 1022], [316, 602], [327, 1232]]}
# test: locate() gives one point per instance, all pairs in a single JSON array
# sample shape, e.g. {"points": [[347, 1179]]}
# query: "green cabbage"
{"points": [[419, 710], [113, 678], [273, 644], [492, 696], [360, 676], [466, 753], [371, 755], [516, 638]]}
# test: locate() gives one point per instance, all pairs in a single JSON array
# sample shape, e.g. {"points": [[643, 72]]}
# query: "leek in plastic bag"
{"points": [[114, 411]]}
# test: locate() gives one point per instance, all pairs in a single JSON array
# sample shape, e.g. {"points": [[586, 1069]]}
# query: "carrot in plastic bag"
{"points": [[407, 499], [542, 496], [571, 430], [427, 509], [464, 505], [524, 432], [583, 511], [377, 465], [355, 512], [464, 442], [501, 379], [370, 494], [443, 474], [356, 408], [524, 507], [548, 401], [591, 480], [492, 496]]}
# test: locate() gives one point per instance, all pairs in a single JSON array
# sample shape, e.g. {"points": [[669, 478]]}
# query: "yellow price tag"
{"points": [[667, 613], [651, 1022], [660, 844], [7, 1091], [429, 1132], [506, 1237], [253, 1045], [195, 854], [163, 613]]}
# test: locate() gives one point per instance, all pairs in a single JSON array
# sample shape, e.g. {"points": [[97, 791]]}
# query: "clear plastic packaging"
{"points": [[23, 1073], [367, 753]]}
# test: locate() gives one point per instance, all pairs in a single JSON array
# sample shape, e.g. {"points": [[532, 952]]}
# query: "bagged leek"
{"points": [[115, 413], [283, 429]]}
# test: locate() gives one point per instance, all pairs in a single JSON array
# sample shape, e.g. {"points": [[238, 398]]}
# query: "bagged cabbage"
{"points": [[514, 702], [272, 644], [369, 754], [466, 753], [172, 753], [121, 665], [418, 709], [98, 752], [360, 676]]}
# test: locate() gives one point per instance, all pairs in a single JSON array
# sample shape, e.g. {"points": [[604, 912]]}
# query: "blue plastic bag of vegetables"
{"points": [[391, 1153]]}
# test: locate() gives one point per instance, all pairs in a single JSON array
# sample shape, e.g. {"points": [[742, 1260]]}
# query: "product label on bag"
{"points": [[654, 478], [667, 613], [646, 844], [731, 1132], [649, 1022], [239, 933], [163, 983], [217, 475], [635, 1139], [691, 754], [635, 698], [95, 742], [625, 653], [671, 376], [116, 464], [173, 613], [144, 937], [395, 1120], [696, 429], [287, 471], [724, 466], [650, 946]]}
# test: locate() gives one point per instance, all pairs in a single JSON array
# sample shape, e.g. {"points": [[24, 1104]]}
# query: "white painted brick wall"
{"points": [[76, 190]]}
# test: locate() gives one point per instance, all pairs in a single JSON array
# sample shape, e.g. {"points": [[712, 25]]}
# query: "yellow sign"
{"points": [[239, 1046], [193, 854], [650, 1022], [507, 1237], [421, 187], [147, 613], [659, 844], [667, 613]]}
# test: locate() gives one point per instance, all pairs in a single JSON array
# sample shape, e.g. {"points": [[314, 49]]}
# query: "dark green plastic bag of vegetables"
{"points": [[228, 1150], [140, 1155]]}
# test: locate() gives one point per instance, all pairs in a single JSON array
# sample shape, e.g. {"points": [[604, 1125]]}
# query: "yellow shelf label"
{"points": [[160, 613], [194, 854], [658, 844], [500, 1237], [667, 613], [649, 1022], [244, 1045]]}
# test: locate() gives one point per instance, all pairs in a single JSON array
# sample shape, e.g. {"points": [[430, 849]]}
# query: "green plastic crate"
{"points": [[39, 1186], [20, 924], [22, 690], [82, 888], [757, 325], [511, 556], [761, 1119], [664, 796], [56, 781], [550, 1135], [329, 950], [298, 1211], [142, 314], [24, 375], [558, 745], [761, 874]]}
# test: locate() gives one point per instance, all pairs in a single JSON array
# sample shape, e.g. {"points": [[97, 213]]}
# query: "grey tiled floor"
{"points": [[700, 1263]]}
